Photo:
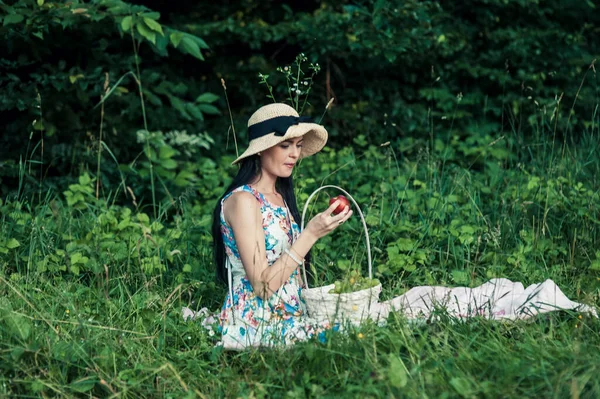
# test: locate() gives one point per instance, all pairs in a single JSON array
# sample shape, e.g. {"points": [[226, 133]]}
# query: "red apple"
{"points": [[343, 204]]}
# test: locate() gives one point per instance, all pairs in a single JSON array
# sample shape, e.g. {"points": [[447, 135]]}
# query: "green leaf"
{"points": [[75, 78], [37, 386], [396, 373], [152, 15], [41, 266], [85, 179], [184, 178], [207, 98], [84, 385], [38, 125], [595, 265], [409, 267], [343, 264], [17, 353], [460, 276], [180, 106], [12, 244], [126, 23], [155, 26], [166, 152], [405, 244], [390, 56], [76, 257], [201, 43], [467, 229], [40, 2], [18, 325], [191, 47], [462, 386], [169, 164], [146, 32], [161, 45], [13, 19], [176, 38], [372, 220], [209, 109], [143, 218], [194, 111]]}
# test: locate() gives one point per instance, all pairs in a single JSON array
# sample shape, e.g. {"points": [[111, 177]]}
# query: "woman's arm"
{"points": [[242, 212]]}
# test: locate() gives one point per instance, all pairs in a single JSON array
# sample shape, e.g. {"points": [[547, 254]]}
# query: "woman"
{"points": [[259, 249], [256, 233]]}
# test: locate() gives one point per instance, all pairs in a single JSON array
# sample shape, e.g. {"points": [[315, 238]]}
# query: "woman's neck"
{"points": [[265, 184]]}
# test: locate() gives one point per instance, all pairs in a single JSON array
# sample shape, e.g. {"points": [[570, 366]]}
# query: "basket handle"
{"points": [[362, 218]]}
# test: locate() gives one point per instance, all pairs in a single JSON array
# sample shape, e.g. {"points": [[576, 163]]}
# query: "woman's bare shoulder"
{"points": [[238, 205]]}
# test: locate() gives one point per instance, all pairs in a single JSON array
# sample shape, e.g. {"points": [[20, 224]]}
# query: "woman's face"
{"points": [[280, 159]]}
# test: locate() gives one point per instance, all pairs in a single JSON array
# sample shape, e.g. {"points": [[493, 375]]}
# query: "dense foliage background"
{"points": [[473, 69], [468, 132]]}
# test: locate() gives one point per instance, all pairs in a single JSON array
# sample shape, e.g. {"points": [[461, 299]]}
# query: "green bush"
{"points": [[81, 79], [475, 72]]}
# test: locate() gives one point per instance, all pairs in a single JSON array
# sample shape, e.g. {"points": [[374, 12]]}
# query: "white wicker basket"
{"points": [[352, 306]]}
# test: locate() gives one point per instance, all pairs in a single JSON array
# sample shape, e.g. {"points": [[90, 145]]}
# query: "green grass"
{"points": [[71, 338], [91, 293]]}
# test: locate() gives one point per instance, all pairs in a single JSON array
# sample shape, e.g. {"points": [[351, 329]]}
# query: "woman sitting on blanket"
{"points": [[259, 249], [256, 233]]}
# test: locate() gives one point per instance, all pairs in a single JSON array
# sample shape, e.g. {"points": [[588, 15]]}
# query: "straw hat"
{"points": [[276, 123]]}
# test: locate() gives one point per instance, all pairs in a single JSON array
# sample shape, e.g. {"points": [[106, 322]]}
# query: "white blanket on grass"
{"points": [[498, 299]]}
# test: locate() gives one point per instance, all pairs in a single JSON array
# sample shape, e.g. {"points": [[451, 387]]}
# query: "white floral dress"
{"points": [[246, 319]]}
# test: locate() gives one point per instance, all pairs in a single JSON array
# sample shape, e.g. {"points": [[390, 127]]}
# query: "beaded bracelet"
{"points": [[294, 258]]}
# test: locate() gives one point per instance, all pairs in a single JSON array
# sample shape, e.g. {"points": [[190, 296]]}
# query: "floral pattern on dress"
{"points": [[246, 318]]}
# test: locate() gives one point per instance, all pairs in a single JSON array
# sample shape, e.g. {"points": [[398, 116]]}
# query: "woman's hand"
{"points": [[324, 223]]}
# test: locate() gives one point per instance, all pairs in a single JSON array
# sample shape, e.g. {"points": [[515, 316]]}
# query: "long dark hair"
{"points": [[249, 170]]}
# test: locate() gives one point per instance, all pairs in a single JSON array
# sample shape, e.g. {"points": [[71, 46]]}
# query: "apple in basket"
{"points": [[343, 203], [353, 282]]}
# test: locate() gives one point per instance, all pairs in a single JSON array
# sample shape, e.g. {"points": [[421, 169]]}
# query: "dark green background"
{"points": [[423, 69]]}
